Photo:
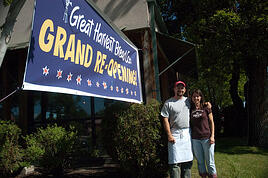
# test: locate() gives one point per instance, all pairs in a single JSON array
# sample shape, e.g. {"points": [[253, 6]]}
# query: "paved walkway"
{"points": [[103, 167]]}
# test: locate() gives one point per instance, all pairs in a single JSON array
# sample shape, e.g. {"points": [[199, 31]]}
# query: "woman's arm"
{"points": [[212, 128]]}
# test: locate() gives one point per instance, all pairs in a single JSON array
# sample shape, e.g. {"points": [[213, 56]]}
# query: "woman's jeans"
{"points": [[204, 153]]}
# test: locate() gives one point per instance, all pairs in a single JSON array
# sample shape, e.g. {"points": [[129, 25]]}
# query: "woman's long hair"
{"points": [[199, 92]]}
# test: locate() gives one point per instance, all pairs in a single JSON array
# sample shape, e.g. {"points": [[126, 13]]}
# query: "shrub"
{"points": [[135, 138], [50, 148], [11, 154], [109, 127]]}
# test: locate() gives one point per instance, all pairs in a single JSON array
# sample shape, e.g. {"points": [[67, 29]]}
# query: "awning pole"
{"points": [[175, 61], [154, 44]]}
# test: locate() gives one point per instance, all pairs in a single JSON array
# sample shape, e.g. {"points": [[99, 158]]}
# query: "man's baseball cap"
{"points": [[179, 82]]}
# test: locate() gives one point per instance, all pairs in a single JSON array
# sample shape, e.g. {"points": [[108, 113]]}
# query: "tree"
{"points": [[255, 17], [220, 40], [7, 28]]}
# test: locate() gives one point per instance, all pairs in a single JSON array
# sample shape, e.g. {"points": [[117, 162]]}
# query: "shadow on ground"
{"points": [[237, 146], [103, 167]]}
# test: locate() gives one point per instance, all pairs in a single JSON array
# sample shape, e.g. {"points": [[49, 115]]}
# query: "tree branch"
{"points": [[8, 26]]}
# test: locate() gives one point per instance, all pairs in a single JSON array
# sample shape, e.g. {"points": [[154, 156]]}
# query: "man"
{"points": [[176, 116]]}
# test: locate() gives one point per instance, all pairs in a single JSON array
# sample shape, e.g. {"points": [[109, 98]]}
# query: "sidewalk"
{"points": [[103, 167]]}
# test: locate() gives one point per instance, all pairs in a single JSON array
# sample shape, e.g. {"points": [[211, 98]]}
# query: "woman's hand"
{"points": [[212, 140], [208, 105]]}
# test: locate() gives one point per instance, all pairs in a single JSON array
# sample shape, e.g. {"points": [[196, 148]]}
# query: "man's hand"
{"points": [[171, 139]]}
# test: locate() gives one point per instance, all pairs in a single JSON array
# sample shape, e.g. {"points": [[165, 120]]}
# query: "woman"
{"points": [[203, 140]]}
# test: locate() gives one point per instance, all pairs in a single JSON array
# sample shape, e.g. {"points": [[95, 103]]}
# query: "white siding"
{"points": [[128, 14]]}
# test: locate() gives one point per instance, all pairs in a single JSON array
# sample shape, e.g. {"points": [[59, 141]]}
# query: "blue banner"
{"points": [[74, 50]]}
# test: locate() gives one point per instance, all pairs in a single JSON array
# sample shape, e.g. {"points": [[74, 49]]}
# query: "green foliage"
{"points": [[189, 11], [51, 148], [109, 126], [95, 153], [134, 136], [228, 34], [11, 153], [7, 2]]}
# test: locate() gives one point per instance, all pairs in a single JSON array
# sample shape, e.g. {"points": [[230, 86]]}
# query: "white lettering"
{"points": [[103, 39], [78, 21], [124, 55]]}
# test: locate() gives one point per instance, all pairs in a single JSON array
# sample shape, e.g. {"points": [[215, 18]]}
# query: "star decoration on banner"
{"points": [[59, 74], [78, 80], [89, 83], [100, 85], [69, 77], [104, 85], [45, 71]]}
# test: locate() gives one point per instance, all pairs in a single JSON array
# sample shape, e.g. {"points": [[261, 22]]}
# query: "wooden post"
{"points": [[23, 95], [154, 49], [93, 124], [147, 66]]}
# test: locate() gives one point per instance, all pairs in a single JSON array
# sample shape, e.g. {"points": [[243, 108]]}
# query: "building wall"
{"points": [[126, 14]]}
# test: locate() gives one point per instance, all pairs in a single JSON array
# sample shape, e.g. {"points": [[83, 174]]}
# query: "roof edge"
{"points": [[109, 21]]}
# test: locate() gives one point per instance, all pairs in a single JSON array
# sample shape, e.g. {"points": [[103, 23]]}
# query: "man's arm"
{"points": [[167, 129]]}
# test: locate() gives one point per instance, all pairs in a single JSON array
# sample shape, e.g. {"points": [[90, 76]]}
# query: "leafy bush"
{"points": [[50, 148], [134, 137], [7, 2], [109, 127], [11, 154]]}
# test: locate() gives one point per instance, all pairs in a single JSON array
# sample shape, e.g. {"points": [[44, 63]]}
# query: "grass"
{"points": [[234, 159]]}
